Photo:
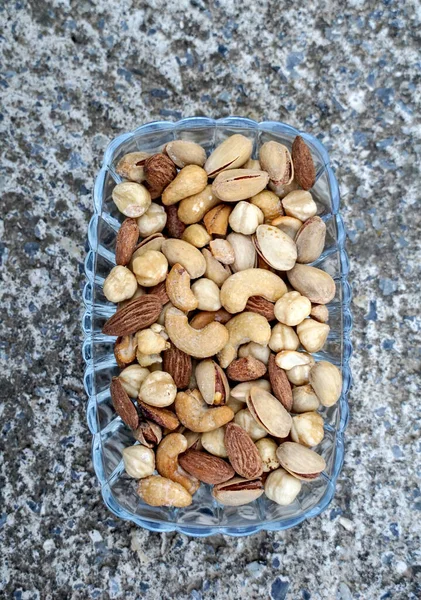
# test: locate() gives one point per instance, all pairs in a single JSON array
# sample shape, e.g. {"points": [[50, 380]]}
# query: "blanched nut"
{"points": [[167, 461], [132, 378], [307, 429], [158, 389], [287, 359], [243, 328], [267, 450], [283, 337], [244, 251], [281, 487], [299, 204], [139, 461], [312, 334], [200, 343], [269, 204], [196, 235], [131, 166], [150, 268], [245, 218], [178, 289], [300, 375], [152, 221], [326, 381], [139, 292], [245, 420], [222, 251], [196, 415], [151, 342], [256, 350], [214, 442], [238, 288], [304, 399], [292, 308], [120, 284], [289, 225], [320, 312], [207, 294], [215, 270], [161, 491], [131, 199]]}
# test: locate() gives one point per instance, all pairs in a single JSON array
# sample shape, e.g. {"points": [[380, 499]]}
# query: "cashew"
{"points": [[160, 491], [193, 209], [238, 288], [177, 251], [167, 461], [247, 327], [215, 271], [178, 289], [200, 343], [196, 235], [198, 416]]}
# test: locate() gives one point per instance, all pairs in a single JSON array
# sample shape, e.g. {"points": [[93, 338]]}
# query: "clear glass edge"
{"points": [[203, 531]]}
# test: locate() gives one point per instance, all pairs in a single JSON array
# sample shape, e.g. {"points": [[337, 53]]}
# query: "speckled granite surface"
{"points": [[73, 76]]}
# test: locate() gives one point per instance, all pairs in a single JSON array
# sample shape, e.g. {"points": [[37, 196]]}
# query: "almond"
{"points": [[179, 365], [205, 467], [175, 227], [305, 172], [242, 453], [126, 241], [160, 290], [137, 315], [246, 369], [261, 306], [162, 416], [281, 387], [159, 172], [123, 405]]}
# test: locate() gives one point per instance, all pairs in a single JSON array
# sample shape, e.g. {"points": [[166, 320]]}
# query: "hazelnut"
{"points": [[139, 461], [304, 399], [300, 205], [131, 379], [153, 221], [283, 337], [120, 284], [245, 420], [245, 218], [267, 449], [307, 429], [131, 199], [150, 268], [281, 487], [292, 308], [158, 389], [207, 294]]}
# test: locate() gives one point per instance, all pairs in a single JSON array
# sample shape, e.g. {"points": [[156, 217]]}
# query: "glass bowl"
{"points": [[205, 516]]}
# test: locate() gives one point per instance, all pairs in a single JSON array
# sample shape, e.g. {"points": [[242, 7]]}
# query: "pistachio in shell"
{"points": [[310, 240], [275, 247], [212, 382], [269, 412], [317, 285], [300, 461]]}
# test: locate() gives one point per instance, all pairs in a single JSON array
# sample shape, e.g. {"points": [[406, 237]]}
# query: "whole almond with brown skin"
{"points": [[305, 172], [126, 241], [179, 365], [246, 369], [137, 315], [205, 467], [160, 291], [242, 453], [162, 416], [281, 387], [204, 317], [175, 227], [261, 306], [123, 405], [159, 172]]}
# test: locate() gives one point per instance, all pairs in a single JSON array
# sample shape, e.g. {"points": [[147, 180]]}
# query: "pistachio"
{"points": [[299, 204], [307, 429], [239, 184], [275, 158], [252, 163], [231, 154], [282, 189], [326, 380], [185, 152], [148, 433], [312, 334], [304, 399], [212, 382], [310, 240], [269, 412], [238, 491], [241, 390], [300, 461], [317, 285], [277, 248]]}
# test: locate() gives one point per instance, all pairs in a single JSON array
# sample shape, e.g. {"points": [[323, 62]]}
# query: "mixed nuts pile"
{"points": [[218, 316]]}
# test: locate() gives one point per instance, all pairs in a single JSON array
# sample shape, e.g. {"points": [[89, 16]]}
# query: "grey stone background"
{"points": [[73, 76]]}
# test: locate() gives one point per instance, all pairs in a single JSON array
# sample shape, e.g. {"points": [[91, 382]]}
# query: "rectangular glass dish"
{"points": [[110, 435]]}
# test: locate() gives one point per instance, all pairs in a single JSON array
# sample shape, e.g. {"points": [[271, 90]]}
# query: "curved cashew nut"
{"points": [[200, 343], [178, 289], [247, 327], [238, 288], [167, 461], [198, 416]]}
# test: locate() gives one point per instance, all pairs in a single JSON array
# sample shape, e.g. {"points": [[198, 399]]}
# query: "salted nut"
{"points": [[300, 461], [267, 450], [212, 382], [326, 381], [312, 334], [161, 491], [246, 421], [214, 442], [238, 288], [241, 390], [139, 461], [300, 205], [269, 412], [282, 488], [275, 158], [304, 399], [215, 271], [244, 252], [168, 451], [178, 289], [230, 154], [185, 152], [200, 343], [196, 415], [193, 209], [131, 166], [275, 247], [310, 240], [131, 379], [238, 491], [178, 251], [148, 434], [307, 429], [243, 328], [288, 359], [239, 184]]}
